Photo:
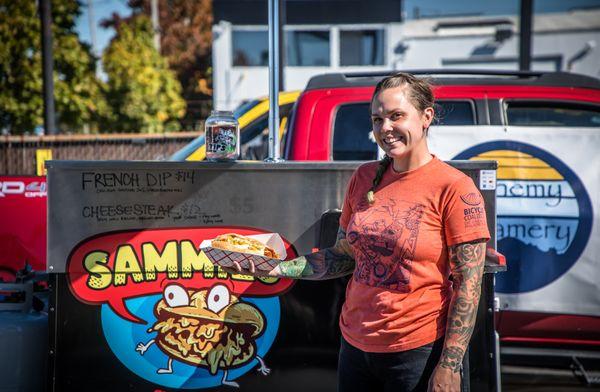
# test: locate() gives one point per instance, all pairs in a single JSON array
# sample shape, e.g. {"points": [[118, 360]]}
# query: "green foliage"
{"points": [[143, 93], [79, 98], [186, 41]]}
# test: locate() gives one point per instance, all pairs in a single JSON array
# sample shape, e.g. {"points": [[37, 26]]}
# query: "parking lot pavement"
{"points": [[539, 383], [548, 369]]}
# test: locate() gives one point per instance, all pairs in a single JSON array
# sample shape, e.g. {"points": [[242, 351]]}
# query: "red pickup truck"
{"points": [[543, 129]]}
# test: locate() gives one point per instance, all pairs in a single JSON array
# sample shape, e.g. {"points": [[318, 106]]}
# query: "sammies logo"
{"points": [[544, 214], [169, 314]]}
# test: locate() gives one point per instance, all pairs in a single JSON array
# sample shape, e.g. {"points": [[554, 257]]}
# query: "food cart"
{"points": [[124, 236]]}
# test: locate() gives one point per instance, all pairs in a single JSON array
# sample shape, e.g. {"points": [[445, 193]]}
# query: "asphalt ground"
{"points": [[537, 379], [514, 383]]}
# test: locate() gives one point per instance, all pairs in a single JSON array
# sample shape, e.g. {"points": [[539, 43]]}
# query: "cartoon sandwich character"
{"points": [[209, 328]]}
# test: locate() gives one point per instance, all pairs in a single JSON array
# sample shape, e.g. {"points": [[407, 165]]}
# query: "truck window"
{"points": [[351, 134], [454, 113], [551, 114], [244, 107], [255, 137], [352, 138]]}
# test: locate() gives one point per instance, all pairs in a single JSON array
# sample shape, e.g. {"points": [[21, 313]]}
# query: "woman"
{"points": [[409, 222]]}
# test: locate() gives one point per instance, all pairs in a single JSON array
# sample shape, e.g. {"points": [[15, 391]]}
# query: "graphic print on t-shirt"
{"points": [[384, 239], [474, 211]]}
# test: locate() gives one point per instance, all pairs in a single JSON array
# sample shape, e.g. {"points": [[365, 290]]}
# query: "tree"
{"points": [[143, 93], [78, 93], [186, 40]]}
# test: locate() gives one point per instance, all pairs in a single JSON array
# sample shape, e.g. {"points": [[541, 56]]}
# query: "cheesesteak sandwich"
{"points": [[239, 243]]}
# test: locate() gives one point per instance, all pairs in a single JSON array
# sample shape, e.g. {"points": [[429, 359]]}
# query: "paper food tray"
{"points": [[225, 258]]}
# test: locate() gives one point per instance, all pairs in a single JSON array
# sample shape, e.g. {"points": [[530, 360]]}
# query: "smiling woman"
{"points": [[408, 222]]}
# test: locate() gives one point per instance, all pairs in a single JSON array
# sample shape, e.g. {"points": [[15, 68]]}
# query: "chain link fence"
{"points": [[18, 154]]}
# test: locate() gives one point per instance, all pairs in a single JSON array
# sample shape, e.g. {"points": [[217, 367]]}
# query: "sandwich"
{"points": [[239, 243]]}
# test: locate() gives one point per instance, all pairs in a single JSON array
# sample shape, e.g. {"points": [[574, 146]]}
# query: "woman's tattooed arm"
{"points": [[328, 263], [466, 263]]}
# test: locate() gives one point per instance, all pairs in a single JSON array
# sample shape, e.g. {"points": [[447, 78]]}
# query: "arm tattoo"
{"points": [[466, 262], [328, 263]]}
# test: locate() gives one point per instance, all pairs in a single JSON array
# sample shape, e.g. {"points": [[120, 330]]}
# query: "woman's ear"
{"points": [[428, 115]]}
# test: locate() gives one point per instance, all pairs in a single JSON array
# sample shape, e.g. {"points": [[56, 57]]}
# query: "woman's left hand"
{"points": [[444, 380]]}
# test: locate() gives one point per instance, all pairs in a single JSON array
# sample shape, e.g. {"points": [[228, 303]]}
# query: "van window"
{"points": [[307, 48], [250, 48], [304, 48], [361, 47], [550, 114], [352, 127]]}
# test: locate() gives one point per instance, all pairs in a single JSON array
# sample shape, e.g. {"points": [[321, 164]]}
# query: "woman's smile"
{"points": [[391, 140]]}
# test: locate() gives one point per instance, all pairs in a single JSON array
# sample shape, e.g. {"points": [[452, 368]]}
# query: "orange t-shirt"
{"points": [[399, 294]]}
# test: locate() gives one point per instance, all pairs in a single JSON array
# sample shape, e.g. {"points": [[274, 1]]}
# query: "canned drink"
{"points": [[222, 134]]}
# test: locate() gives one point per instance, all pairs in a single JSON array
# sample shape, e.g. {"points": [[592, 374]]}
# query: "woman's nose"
{"points": [[386, 125]]}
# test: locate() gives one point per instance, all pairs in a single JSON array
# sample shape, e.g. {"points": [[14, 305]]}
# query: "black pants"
{"points": [[406, 371]]}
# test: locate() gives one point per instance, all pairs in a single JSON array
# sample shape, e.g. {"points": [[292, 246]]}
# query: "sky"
{"points": [[101, 9], [426, 8]]}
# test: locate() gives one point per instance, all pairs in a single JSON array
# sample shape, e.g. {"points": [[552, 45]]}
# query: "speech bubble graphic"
{"points": [[115, 266]]}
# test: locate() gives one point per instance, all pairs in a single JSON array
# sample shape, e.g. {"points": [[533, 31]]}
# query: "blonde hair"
{"points": [[420, 95]]}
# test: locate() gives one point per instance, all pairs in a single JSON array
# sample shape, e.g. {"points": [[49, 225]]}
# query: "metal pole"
{"points": [[155, 23], [274, 155], [47, 67], [526, 22], [92, 23], [282, 53]]}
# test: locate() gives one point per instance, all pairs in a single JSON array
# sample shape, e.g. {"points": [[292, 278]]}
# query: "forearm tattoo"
{"points": [[466, 262], [328, 263]]}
